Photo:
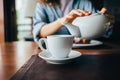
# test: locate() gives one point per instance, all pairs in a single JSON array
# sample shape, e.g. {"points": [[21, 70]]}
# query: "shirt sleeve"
{"points": [[39, 19]]}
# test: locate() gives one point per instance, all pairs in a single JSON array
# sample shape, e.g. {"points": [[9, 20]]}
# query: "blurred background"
{"points": [[16, 19]]}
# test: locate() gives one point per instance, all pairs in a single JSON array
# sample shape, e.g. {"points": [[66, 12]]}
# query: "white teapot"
{"points": [[89, 27]]}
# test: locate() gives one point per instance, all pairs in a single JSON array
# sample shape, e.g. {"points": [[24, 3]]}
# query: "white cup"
{"points": [[58, 45]]}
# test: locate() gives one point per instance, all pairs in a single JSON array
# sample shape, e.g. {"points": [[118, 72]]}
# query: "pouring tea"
{"points": [[89, 27]]}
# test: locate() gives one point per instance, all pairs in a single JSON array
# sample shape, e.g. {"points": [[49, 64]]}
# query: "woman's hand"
{"points": [[75, 13], [110, 17]]}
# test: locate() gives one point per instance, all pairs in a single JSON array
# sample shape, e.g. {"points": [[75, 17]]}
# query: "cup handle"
{"points": [[41, 44]]}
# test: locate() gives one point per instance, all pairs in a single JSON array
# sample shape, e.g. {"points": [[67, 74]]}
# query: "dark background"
{"points": [[114, 8]]}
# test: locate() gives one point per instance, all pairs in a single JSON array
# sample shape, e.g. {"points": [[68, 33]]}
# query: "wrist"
{"points": [[62, 21]]}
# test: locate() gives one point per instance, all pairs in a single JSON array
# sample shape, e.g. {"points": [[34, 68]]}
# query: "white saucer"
{"points": [[92, 43], [46, 55]]}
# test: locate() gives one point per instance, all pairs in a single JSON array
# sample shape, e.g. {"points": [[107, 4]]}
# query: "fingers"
{"points": [[85, 13], [79, 13], [76, 13]]}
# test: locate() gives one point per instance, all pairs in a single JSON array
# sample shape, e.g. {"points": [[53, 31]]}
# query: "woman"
{"points": [[50, 15]]}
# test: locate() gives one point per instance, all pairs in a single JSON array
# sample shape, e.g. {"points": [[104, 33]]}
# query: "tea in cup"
{"points": [[58, 45]]}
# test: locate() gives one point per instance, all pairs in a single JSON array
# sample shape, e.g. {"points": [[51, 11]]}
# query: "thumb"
{"points": [[103, 10]]}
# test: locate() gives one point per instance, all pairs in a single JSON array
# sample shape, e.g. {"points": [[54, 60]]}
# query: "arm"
{"points": [[51, 28]]}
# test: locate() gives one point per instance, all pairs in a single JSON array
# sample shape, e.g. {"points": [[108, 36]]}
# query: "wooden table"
{"points": [[14, 54]]}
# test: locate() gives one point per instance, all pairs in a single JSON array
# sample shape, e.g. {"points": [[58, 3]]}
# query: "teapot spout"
{"points": [[73, 29]]}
